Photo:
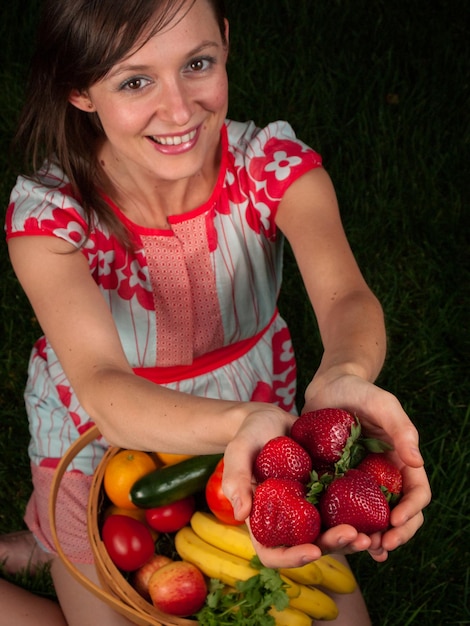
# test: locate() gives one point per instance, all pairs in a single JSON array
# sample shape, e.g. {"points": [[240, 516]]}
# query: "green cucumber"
{"points": [[174, 482]]}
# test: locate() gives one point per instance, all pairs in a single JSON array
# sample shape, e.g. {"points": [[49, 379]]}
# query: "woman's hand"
{"points": [[263, 422], [382, 417], [341, 539]]}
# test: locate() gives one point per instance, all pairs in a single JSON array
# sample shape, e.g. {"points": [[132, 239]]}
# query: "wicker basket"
{"points": [[115, 590]]}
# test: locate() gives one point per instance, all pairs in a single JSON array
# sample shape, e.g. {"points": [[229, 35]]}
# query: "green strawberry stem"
{"points": [[392, 498], [317, 485], [355, 449], [375, 445]]}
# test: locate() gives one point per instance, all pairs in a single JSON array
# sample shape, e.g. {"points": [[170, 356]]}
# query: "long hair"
{"points": [[78, 43]]}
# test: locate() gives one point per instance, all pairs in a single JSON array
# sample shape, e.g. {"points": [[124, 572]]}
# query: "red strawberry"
{"points": [[282, 457], [325, 433], [384, 472], [281, 515], [355, 499]]}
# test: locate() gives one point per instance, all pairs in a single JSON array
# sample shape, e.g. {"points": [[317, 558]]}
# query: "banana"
{"points": [[234, 539], [336, 576], [216, 563], [237, 540], [308, 574], [315, 603], [290, 617]]}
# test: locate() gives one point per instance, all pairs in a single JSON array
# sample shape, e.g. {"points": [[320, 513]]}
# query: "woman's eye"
{"points": [[199, 65], [134, 84]]}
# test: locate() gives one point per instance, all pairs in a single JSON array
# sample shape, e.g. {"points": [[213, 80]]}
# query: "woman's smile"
{"points": [[176, 144]]}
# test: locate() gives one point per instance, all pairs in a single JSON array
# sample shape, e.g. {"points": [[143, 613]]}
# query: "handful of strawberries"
{"points": [[324, 474]]}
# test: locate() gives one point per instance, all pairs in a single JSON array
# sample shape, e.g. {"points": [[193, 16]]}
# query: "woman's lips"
{"points": [[175, 144]]}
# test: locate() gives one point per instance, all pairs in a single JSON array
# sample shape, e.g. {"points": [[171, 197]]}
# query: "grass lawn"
{"points": [[381, 90]]}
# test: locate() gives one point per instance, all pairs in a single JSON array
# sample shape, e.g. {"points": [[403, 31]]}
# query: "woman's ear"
{"points": [[81, 100]]}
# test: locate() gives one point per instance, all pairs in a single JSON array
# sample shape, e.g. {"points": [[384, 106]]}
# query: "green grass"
{"points": [[381, 89]]}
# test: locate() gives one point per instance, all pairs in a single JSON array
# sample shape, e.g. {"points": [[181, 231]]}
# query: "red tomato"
{"points": [[218, 503], [128, 541], [171, 517]]}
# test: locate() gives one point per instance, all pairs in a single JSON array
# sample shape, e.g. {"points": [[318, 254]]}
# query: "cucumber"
{"points": [[174, 482]]}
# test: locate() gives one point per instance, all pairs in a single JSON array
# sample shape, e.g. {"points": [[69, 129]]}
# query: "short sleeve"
{"points": [[45, 207], [266, 162]]}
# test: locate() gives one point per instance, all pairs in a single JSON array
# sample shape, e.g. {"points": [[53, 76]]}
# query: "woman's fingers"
{"points": [[237, 481], [283, 557], [416, 495], [343, 539]]}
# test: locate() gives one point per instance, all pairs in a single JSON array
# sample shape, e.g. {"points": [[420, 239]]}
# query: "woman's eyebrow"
{"points": [[138, 67]]}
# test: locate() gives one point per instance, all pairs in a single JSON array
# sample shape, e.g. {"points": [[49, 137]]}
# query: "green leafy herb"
{"points": [[248, 604]]}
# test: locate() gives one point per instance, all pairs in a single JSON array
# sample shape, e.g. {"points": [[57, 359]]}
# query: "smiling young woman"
{"points": [[148, 238]]}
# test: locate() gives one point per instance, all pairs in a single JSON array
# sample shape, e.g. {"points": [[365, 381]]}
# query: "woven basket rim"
{"points": [[108, 573], [115, 590]]}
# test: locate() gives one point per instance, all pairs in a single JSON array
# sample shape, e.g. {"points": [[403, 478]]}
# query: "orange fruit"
{"points": [[170, 459], [122, 471]]}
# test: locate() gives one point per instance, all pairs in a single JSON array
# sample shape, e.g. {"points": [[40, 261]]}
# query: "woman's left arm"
{"points": [[349, 316], [351, 325]]}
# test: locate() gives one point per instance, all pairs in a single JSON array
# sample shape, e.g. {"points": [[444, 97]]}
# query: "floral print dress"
{"points": [[194, 305]]}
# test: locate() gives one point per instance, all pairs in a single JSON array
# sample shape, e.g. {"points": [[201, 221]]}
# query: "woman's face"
{"points": [[162, 107]]}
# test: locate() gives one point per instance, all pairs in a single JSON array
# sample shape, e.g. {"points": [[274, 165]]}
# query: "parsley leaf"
{"points": [[248, 604]]}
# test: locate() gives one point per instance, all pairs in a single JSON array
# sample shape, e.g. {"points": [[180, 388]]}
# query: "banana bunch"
{"points": [[326, 572], [223, 551]]}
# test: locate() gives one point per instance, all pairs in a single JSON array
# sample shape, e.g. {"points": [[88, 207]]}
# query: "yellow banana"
{"points": [[315, 603], [308, 574], [237, 540], [217, 563], [290, 617], [234, 539], [336, 576]]}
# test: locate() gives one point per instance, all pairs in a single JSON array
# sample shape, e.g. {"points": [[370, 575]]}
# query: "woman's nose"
{"points": [[174, 104]]}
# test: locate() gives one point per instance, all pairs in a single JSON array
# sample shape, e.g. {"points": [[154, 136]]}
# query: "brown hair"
{"points": [[79, 41]]}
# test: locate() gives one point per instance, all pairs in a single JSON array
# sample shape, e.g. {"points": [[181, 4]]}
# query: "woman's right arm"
{"points": [[129, 410]]}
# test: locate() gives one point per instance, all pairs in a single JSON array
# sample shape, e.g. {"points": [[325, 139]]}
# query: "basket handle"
{"points": [[86, 438]]}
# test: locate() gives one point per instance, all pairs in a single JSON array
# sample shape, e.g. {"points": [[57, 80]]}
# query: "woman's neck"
{"points": [[149, 202]]}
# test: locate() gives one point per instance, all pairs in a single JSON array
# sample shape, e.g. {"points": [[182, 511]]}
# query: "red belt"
{"points": [[202, 364]]}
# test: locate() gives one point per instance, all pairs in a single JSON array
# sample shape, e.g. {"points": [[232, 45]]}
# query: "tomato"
{"points": [[171, 517], [128, 542], [218, 503]]}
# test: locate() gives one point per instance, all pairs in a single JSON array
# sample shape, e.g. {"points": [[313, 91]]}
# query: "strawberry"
{"points": [[282, 457], [281, 514], [325, 434], [384, 472], [355, 499]]}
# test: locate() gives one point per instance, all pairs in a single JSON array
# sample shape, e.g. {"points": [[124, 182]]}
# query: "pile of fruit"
{"points": [[170, 530]]}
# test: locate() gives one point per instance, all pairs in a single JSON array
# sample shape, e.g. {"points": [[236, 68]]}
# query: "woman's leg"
{"points": [[81, 607], [20, 552], [23, 608], [78, 607]]}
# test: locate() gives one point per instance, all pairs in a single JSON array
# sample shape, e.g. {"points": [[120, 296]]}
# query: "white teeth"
{"points": [[177, 140]]}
